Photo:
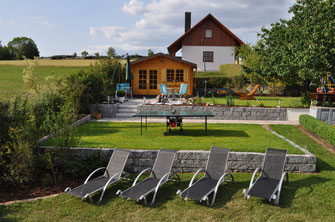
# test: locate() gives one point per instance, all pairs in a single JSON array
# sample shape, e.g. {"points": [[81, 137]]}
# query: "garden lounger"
{"points": [[249, 96], [269, 183], [112, 173], [160, 174], [214, 175]]}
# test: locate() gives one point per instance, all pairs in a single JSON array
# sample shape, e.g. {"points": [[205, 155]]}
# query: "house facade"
{"points": [[208, 44], [161, 68]]}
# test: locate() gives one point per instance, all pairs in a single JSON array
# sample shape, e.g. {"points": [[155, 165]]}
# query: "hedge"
{"points": [[318, 127]]}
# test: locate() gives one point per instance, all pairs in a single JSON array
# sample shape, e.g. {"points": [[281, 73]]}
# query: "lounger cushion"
{"points": [[199, 189], [90, 187], [142, 188], [264, 188]]}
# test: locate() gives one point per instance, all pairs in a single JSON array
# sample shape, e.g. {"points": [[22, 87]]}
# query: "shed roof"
{"points": [[177, 44], [166, 56]]}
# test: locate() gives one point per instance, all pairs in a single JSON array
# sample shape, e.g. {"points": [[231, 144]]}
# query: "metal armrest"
{"points": [[252, 178], [93, 173], [139, 175], [196, 173]]}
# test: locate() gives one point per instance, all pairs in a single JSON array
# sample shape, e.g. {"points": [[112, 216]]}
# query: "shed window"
{"points": [[153, 79], [208, 33], [143, 79], [208, 56], [169, 75], [179, 75]]}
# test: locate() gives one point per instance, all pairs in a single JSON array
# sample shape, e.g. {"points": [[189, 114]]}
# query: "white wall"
{"points": [[222, 55]]}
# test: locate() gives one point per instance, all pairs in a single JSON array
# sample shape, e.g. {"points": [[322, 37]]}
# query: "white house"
{"points": [[208, 44]]}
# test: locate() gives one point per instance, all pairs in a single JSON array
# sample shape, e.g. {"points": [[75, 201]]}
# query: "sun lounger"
{"points": [[112, 173], [214, 175], [160, 174], [269, 183], [249, 96]]}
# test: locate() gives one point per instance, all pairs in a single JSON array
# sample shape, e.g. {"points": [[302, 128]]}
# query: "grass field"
{"points": [[307, 197], [238, 137], [54, 63], [11, 82], [266, 100]]}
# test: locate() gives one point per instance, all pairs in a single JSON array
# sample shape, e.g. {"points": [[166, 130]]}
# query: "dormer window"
{"points": [[208, 33]]}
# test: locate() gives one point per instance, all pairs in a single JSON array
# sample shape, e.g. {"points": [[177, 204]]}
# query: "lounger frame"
{"points": [[123, 175], [276, 193], [170, 176], [225, 177]]}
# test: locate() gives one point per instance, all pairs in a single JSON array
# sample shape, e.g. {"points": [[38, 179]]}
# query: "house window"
{"points": [[179, 75], [143, 79], [208, 33], [208, 56], [153, 79], [169, 75]]}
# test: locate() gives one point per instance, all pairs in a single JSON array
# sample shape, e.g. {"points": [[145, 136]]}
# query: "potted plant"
{"points": [[121, 94], [97, 113]]}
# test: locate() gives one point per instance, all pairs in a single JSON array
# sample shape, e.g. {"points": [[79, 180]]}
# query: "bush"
{"points": [[121, 93], [230, 70], [318, 127]]}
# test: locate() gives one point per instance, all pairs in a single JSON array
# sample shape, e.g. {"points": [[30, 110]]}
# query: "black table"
{"points": [[173, 118]]}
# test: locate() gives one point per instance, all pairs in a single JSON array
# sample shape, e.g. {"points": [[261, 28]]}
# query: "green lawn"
{"points": [[238, 137], [307, 197], [266, 100], [11, 82]]}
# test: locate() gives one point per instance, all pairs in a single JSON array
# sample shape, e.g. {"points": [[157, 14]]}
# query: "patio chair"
{"points": [[112, 173], [126, 87], [214, 175], [160, 174], [164, 91], [269, 183], [182, 90]]}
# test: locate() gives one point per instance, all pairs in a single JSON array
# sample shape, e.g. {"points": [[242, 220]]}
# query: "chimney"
{"points": [[187, 21]]}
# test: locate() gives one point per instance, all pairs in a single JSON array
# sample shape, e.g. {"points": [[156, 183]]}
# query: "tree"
{"points": [[21, 47], [5, 53], [111, 52], [150, 52], [97, 55], [302, 48], [84, 53], [74, 55]]}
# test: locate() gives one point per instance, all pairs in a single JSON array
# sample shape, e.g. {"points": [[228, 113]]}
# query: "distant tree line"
{"points": [[19, 48]]}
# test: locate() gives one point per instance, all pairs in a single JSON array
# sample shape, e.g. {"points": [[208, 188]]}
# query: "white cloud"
{"points": [[161, 22], [6, 22], [42, 20], [134, 7]]}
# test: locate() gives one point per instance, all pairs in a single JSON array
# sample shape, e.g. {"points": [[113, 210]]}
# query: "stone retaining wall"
{"points": [[189, 161], [108, 110], [226, 113]]}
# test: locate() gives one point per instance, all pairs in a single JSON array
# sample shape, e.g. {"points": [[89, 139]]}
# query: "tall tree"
{"points": [[21, 47], [111, 52], [84, 53], [150, 52], [302, 48]]}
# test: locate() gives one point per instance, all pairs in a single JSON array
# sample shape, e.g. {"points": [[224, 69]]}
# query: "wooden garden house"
{"points": [[161, 68]]}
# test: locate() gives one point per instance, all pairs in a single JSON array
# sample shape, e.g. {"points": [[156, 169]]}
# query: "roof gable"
{"points": [[166, 56], [175, 46]]}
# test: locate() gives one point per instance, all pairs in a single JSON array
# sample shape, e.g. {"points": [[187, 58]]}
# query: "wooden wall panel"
{"points": [[219, 36]]}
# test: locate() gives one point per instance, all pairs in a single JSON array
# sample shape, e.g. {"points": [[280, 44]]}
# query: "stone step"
{"points": [[127, 106], [127, 110], [126, 115]]}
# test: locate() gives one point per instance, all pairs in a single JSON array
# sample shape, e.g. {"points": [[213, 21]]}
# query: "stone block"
{"points": [[132, 162], [146, 162], [307, 168], [150, 154], [291, 167]]}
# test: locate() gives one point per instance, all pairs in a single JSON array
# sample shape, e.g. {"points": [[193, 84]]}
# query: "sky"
{"points": [[133, 26]]}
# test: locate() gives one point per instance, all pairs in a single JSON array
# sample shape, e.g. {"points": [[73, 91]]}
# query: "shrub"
{"points": [[318, 127], [230, 70], [121, 93]]}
